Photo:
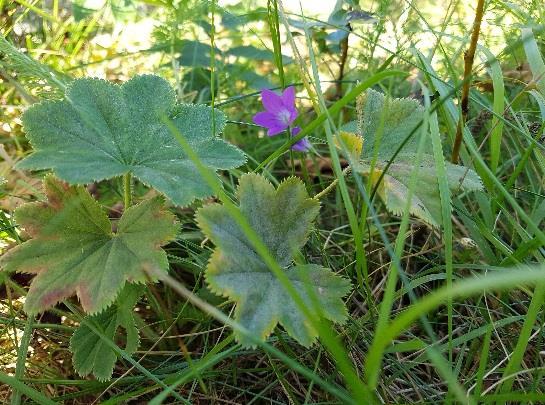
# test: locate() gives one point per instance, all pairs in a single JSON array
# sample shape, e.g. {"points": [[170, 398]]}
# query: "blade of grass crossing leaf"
{"points": [[353, 221], [374, 359], [446, 208], [330, 341], [361, 262], [408, 287]]}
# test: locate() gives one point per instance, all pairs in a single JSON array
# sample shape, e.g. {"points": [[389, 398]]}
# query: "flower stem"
{"points": [[469, 56], [127, 188], [333, 184], [292, 160]]}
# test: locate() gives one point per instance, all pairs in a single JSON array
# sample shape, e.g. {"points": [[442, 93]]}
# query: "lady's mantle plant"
{"points": [[99, 131], [73, 250]]}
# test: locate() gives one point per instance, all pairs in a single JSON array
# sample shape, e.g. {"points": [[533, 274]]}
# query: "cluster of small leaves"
{"points": [[237, 271], [386, 125], [91, 353]]}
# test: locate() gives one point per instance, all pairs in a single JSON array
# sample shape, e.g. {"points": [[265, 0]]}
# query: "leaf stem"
{"points": [[127, 188]]}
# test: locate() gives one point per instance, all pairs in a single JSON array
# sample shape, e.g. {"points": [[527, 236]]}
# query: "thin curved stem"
{"points": [[469, 56], [333, 184]]}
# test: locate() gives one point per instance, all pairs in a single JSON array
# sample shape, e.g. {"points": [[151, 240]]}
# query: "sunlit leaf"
{"points": [[351, 141], [535, 59], [384, 123], [252, 53], [426, 201], [102, 130], [121, 9], [283, 219], [90, 353], [74, 251]]}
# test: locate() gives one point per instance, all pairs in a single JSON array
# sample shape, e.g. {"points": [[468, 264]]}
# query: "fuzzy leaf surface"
{"points": [[283, 219], [426, 200], [102, 130], [386, 122], [74, 251], [90, 353]]}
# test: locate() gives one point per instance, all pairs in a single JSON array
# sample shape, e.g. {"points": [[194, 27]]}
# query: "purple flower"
{"points": [[302, 145], [280, 111]]}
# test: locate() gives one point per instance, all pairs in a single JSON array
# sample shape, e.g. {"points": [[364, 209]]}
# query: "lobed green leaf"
{"points": [[90, 354], [102, 130], [283, 219], [426, 199], [74, 251], [384, 124]]}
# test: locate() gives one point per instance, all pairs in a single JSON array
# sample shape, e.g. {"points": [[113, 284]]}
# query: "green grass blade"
{"points": [[25, 389]]}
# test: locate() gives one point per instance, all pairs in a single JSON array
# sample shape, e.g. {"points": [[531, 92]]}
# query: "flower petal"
{"points": [[303, 145], [288, 97], [275, 130], [293, 114], [269, 121], [271, 101], [265, 119]]}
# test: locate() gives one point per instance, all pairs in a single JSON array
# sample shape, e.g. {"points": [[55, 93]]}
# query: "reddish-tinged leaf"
{"points": [[74, 251]]}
